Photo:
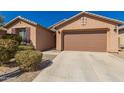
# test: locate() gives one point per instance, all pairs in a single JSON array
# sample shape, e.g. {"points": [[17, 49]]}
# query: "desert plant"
{"points": [[4, 55], [12, 37], [28, 60], [10, 46], [8, 49]]}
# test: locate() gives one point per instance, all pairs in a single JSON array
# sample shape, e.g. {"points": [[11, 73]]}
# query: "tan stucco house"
{"points": [[87, 32], [31, 32], [121, 37]]}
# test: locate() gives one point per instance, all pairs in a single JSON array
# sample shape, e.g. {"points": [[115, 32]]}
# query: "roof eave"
{"points": [[21, 18], [92, 14], [106, 18]]}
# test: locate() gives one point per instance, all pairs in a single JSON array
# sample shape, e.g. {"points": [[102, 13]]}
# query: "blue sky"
{"points": [[47, 18]]}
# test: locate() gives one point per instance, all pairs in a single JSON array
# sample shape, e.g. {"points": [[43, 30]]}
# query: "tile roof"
{"points": [[21, 18]]}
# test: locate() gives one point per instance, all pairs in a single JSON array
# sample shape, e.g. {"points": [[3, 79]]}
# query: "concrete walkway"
{"points": [[51, 52], [72, 66]]}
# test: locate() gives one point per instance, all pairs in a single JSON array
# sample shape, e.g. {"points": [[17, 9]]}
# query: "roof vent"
{"points": [[83, 20]]}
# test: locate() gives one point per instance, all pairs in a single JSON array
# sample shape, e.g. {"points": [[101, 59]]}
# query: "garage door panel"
{"points": [[85, 40]]}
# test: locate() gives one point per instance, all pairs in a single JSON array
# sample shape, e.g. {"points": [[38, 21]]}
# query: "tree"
{"points": [[1, 21]]}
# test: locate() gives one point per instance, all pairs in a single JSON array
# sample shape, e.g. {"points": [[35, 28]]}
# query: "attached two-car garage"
{"points": [[85, 40], [87, 32]]}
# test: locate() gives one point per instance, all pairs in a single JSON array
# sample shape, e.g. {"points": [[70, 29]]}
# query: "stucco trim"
{"points": [[89, 29]]}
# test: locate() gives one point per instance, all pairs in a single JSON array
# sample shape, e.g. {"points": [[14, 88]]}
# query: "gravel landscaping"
{"points": [[27, 76], [4, 69]]}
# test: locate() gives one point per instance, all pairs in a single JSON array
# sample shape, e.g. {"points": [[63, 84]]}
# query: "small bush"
{"points": [[9, 45], [12, 37], [4, 55], [28, 60], [25, 47], [8, 49]]}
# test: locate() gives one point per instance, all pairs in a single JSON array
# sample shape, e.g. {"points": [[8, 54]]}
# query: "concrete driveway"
{"points": [[83, 66]]}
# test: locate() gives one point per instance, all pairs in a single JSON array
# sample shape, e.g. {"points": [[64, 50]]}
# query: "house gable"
{"points": [[19, 18], [88, 15], [22, 24], [86, 22], [19, 23]]}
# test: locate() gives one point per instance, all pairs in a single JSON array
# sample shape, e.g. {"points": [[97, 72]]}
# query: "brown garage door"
{"points": [[85, 40]]}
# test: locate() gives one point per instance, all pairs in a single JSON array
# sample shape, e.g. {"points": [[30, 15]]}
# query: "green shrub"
{"points": [[28, 60], [25, 47], [13, 37], [4, 55], [10, 46]]}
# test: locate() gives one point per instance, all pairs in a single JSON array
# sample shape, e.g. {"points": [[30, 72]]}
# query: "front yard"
{"points": [[27, 76], [19, 61]]}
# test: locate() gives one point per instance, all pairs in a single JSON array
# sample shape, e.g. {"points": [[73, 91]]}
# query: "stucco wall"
{"points": [[20, 24], [44, 39], [112, 36]]}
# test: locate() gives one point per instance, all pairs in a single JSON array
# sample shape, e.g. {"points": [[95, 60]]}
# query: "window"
{"points": [[23, 34]]}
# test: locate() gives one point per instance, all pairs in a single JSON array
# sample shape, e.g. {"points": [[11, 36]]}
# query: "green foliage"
{"points": [[28, 60], [13, 37], [25, 47], [8, 49], [9, 45], [4, 55]]}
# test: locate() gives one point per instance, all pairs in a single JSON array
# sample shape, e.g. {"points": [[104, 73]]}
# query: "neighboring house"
{"points": [[31, 32], [2, 31], [121, 37], [87, 32]]}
